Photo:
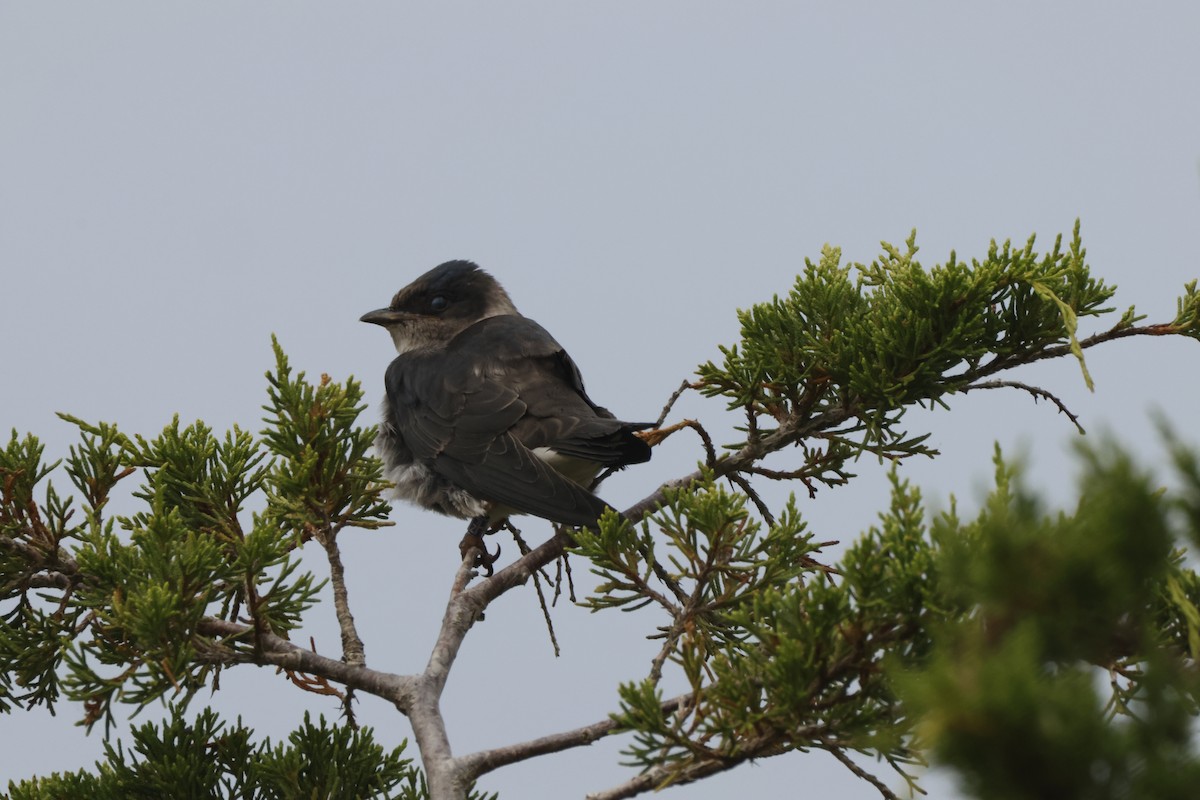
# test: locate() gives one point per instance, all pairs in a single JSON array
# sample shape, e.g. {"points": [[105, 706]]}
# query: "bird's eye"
{"points": [[438, 303]]}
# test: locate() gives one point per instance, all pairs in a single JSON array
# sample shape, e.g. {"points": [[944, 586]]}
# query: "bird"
{"points": [[485, 415]]}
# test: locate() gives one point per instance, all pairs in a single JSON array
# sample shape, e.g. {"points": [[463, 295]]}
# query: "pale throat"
{"points": [[420, 334]]}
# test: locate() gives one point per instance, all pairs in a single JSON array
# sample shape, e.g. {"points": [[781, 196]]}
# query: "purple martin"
{"points": [[485, 414]]}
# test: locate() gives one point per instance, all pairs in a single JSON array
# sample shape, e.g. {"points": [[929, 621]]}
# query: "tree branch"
{"points": [[1112, 334], [659, 777], [1036, 391], [485, 761], [48, 580], [276, 651], [683, 387], [841, 756], [353, 651]]}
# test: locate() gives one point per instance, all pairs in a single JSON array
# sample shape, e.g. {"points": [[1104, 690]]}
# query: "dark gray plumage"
{"points": [[485, 413]]}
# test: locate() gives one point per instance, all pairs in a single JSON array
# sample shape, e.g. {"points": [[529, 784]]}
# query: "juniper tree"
{"points": [[975, 641]]}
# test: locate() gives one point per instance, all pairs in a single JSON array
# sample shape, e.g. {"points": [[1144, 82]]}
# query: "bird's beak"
{"points": [[382, 316]]}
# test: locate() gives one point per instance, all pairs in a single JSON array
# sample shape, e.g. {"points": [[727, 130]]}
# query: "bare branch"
{"points": [[485, 761], [659, 777], [446, 779], [744, 484], [683, 387], [488, 760], [44, 580], [841, 756], [656, 436], [353, 651], [1036, 391], [537, 585], [61, 560], [277, 651]]}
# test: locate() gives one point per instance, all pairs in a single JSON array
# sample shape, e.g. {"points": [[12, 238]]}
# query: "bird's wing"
{"points": [[476, 411], [559, 414]]}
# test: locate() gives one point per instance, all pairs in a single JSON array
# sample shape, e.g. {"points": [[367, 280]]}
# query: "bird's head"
{"points": [[441, 304]]}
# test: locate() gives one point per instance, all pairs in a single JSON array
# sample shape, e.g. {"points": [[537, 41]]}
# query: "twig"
{"points": [[279, 652], [841, 756], [1112, 334], [1036, 391], [683, 387], [660, 776], [353, 651], [537, 585], [658, 435], [563, 572], [316, 684], [484, 761], [744, 485]]}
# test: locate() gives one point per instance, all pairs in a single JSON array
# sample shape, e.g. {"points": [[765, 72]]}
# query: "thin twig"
{"points": [[660, 776], [1116, 332], [656, 436], [683, 387], [537, 585], [744, 485], [1036, 391], [841, 756], [353, 651]]}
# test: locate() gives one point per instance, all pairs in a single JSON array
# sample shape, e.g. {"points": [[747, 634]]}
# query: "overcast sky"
{"points": [[178, 181]]}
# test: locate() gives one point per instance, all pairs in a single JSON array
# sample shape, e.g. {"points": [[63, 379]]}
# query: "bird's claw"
{"points": [[472, 541]]}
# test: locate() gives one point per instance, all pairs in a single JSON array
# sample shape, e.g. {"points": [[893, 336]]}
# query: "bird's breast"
{"points": [[416, 482]]}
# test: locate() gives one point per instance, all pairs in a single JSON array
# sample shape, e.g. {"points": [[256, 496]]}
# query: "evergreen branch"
{"points": [[1119, 331], [793, 429]]}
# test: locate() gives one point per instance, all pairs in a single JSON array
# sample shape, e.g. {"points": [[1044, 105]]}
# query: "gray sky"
{"points": [[178, 181]]}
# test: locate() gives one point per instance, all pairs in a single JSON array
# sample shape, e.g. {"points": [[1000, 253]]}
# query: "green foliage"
{"points": [[842, 356], [125, 610], [718, 554], [209, 759], [795, 662], [981, 642], [1011, 695], [901, 334], [322, 478], [1187, 315], [31, 636]]}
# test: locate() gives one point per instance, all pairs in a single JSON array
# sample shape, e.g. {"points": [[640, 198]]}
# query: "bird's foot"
{"points": [[472, 541]]}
